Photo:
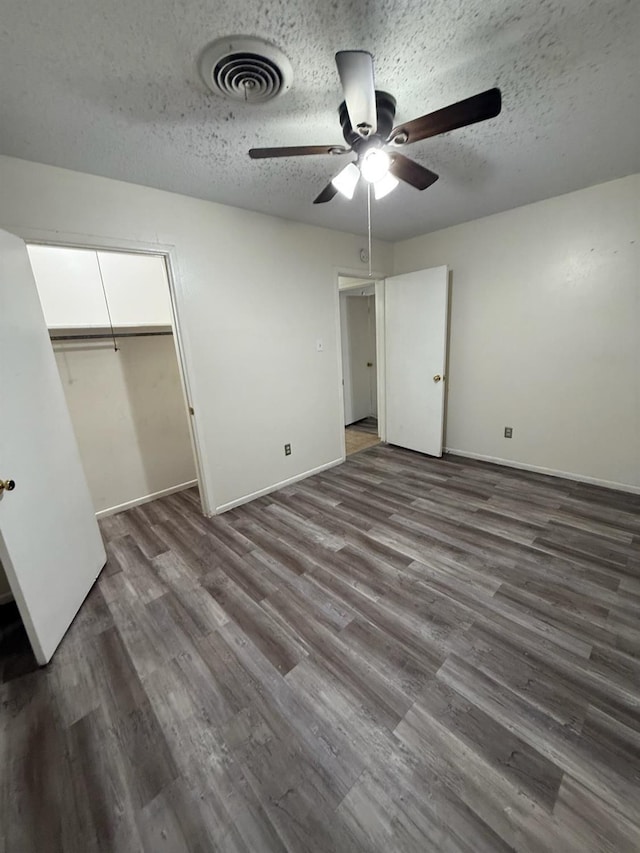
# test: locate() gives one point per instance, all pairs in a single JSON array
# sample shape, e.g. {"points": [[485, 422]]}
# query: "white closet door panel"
{"points": [[137, 289], [69, 287], [50, 544]]}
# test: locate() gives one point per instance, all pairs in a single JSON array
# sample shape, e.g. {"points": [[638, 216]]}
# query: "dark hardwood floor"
{"points": [[401, 654], [368, 425], [361, 435]]}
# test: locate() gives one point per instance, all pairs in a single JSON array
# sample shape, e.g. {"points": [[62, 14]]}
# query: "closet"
{"points": [[111, 326]]}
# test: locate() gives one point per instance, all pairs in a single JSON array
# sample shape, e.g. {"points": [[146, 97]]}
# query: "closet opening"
{"points": [[359, 347], [112, 326]]}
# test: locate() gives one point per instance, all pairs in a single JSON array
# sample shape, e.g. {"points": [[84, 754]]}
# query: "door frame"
{"points": [[169, 253], [377, 279]]}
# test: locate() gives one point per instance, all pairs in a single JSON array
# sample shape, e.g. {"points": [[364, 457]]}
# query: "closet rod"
{"points": [[107, 336]]}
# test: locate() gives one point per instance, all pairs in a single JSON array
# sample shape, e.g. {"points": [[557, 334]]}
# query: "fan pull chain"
{"points": [[106, 302], [369, 223]]}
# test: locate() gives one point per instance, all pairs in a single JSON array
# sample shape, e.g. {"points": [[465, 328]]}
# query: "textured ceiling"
{"points": [[112, 88]]}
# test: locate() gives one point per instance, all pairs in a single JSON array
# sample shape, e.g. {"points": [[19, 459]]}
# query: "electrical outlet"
{"points": [[508, 432], [287, 450]]}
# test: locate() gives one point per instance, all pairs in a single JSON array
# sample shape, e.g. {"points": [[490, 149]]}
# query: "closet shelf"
{"points": [[84, 333]]}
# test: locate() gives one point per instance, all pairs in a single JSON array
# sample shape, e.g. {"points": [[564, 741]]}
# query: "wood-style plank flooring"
{"points": [[368, 425], [361, 435], [356, 441], [400, 654]]}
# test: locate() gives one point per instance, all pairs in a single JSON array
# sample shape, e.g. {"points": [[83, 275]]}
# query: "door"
{"points": [[358, 356], [416, 308], [372, 357], [50, 544]]}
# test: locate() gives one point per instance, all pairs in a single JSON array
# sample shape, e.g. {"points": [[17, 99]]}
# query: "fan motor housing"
{"points": [[386, 113]]}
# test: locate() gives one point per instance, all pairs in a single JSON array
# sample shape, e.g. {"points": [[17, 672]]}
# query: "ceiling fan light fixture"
{"points": [[384, 186], [374, 165], [366, 108], [346, 180]]}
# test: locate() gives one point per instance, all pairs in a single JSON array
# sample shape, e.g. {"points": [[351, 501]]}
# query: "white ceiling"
{"points": [[112, 88]]}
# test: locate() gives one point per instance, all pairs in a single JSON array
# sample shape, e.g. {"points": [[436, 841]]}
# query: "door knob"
{"points": [[437, 377], [369, 364], [8, 485]]}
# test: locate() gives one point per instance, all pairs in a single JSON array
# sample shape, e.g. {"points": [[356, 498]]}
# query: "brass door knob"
{"points": [[437, 377], [7, 485]]}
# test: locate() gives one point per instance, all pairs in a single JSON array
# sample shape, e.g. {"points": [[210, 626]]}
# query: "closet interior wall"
{"points": [[126, 401], [5, 590]]}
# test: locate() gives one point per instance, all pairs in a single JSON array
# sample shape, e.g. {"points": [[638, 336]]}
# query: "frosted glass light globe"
{"points": [[346, 180], [384, 186], [374, 165]]}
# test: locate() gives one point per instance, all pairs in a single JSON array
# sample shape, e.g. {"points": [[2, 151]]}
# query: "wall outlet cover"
{"points": [[287, 450], [508, 432]]}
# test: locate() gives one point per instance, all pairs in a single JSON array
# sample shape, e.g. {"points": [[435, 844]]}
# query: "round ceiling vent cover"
{"points": [[246, 69]]}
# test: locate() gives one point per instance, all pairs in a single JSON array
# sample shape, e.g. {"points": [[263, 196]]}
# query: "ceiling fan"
{"points": [[367, 116]]}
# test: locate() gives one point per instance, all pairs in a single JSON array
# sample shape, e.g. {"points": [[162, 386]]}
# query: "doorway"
{"points": [[359, 363], [111, 326], [96, 374]]}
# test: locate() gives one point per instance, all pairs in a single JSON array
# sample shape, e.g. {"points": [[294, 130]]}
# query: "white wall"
{"points": [[136, 288], [255, 294], [129, 417], [545, 332], [69, 286]]}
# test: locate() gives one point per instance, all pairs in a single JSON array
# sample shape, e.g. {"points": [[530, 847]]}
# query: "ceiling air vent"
{"points": [[246, 69]]}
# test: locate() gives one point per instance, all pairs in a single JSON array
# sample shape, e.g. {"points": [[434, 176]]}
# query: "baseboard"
{"points": [[552, 472], [5, 598], [276, 486], [112, 510]]}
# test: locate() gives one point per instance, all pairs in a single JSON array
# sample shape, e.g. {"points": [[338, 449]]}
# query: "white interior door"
{"points": [[358, 355], [372, 357], [50, 544], [416, 307]]}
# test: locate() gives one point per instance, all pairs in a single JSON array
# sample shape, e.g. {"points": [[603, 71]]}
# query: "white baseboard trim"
{"points": [[6, 597], [112, 510], [552, 472], [276, 486]]}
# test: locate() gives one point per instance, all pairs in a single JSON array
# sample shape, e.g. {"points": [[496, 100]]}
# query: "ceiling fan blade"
{"points": [[411, 172], [477, 108], [296, 151], [355, 68], [326, 195]]}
